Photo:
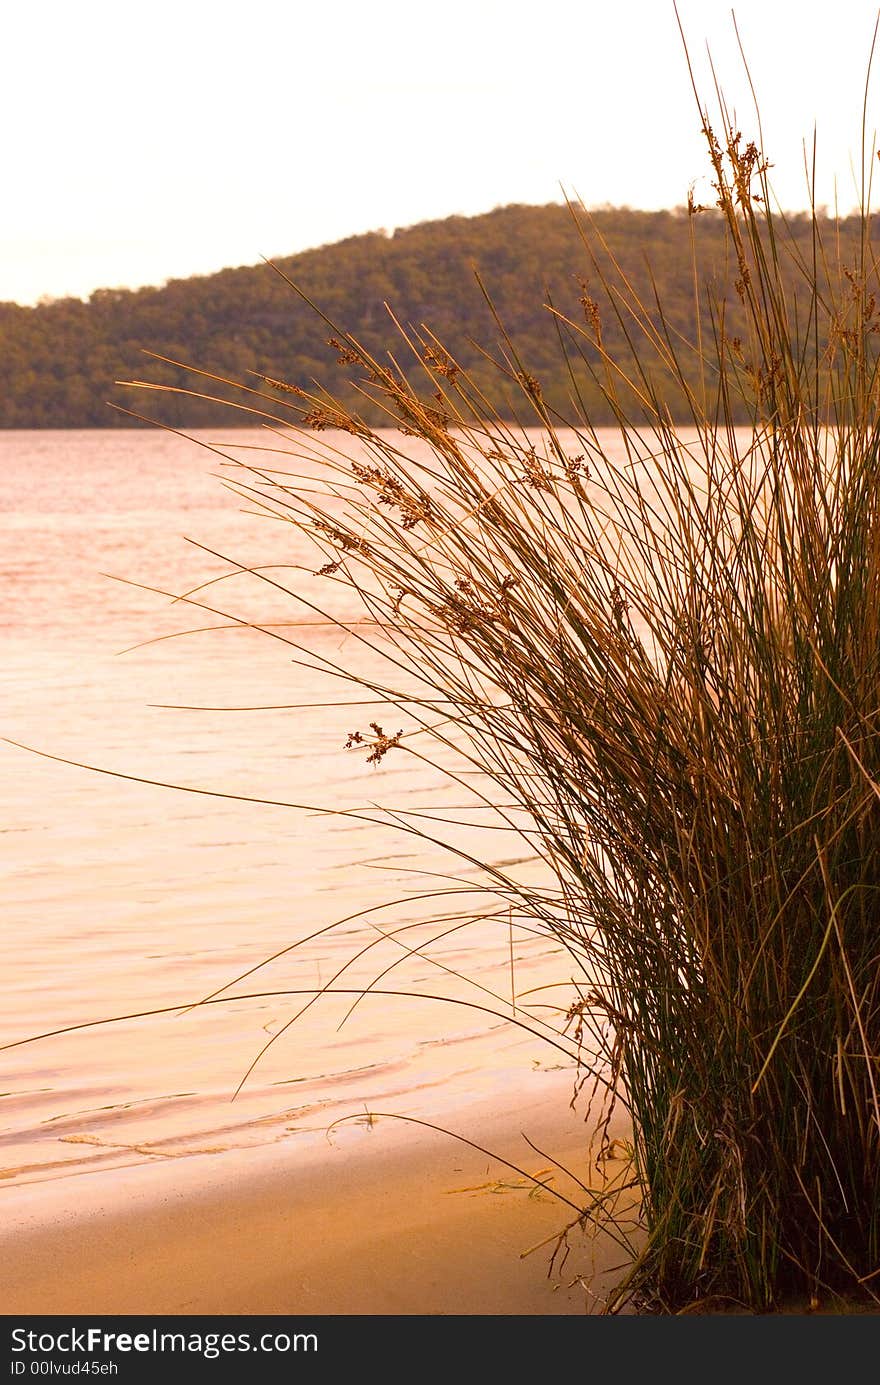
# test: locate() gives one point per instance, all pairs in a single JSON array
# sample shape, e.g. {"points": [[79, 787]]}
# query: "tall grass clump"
{"points": [[655, 652]]}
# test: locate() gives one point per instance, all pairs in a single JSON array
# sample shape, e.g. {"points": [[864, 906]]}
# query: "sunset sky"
{"points": [[150, 142]]}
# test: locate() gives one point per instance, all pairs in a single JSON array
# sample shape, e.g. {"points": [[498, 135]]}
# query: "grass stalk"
{"points": [[659, 649]]}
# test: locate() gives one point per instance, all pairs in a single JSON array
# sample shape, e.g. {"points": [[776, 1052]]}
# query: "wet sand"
{"points": [[383, 1218]]}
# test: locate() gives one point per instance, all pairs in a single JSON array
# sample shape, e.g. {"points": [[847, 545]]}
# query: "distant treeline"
{"points": [[60, 359]]}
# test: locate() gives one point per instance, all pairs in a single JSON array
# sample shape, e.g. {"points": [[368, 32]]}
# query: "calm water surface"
{"points": [[121, 897]]}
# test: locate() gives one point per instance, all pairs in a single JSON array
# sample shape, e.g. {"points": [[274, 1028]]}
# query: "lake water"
{"points": [[122, 897]]}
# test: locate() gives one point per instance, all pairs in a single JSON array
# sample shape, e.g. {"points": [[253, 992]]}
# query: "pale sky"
{"points": [[153, 141]]}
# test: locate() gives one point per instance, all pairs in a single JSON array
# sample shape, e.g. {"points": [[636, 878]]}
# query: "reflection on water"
{"points": [[122, 897]]}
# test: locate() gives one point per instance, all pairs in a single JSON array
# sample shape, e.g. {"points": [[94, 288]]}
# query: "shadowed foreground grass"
{"points": [[659, 662]]}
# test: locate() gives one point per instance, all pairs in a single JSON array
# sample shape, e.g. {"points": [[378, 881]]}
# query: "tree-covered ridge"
{"points": [[61, 358]]}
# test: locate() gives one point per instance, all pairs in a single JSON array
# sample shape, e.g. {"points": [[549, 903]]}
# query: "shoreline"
{"points": [[381, 1217]]}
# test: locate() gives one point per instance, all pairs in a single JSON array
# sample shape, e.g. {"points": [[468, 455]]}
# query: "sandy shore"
{"points": [[386, 1218]]}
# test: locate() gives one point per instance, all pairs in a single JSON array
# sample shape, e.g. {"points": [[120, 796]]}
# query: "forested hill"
{"points": [[61, 358]]}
